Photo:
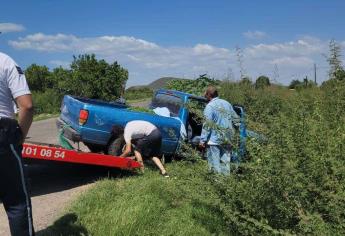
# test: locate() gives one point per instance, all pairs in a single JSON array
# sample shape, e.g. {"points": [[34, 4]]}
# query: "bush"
{"points": [[38, 78], [88, 77], [138, 93], [262, 81], [295, 184], [47, 102], [196, 86], [96, 79]]}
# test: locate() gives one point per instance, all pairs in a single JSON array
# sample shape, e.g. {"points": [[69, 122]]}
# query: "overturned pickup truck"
{"points": [[92, 121]]}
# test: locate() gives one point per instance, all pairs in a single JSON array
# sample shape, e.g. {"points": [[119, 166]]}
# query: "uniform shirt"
{"points": [[12, 85], [137, 129], [218, 129]]}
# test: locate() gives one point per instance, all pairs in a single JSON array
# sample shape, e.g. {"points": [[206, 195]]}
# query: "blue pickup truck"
{"points": [[92, 121]]}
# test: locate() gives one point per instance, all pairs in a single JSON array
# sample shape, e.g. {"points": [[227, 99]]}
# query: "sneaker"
{"points": [[166, 175]]}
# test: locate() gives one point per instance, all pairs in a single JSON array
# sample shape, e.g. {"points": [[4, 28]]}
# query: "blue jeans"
{"points": [[218, 158]]}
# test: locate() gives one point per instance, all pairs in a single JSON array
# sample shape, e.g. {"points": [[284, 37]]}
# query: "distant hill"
{"points": [[161, 83], [157, 84]]}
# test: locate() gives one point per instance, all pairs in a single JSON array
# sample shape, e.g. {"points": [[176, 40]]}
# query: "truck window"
{"points": [[173, 103], [195, 117]]}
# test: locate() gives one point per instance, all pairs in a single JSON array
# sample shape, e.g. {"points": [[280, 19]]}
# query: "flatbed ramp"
{"points": [[49, 152]]}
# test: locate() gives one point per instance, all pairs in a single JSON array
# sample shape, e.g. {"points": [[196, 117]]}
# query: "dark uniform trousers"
{"points": [[13, 184]]}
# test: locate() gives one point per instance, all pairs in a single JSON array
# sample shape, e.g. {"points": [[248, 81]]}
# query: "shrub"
{"points": [[295, 184], [196, 86], [262, 81], [47, 102], [138, 93]]}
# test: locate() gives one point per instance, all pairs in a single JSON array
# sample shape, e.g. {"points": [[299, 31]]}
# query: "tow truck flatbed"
{"points": [[50, 152]]}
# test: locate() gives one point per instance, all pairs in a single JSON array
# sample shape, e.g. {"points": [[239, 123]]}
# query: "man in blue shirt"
{"points": [[217, 132]]}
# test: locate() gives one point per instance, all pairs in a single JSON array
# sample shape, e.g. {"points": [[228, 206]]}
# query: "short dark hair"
{"points": [[212, 91]]}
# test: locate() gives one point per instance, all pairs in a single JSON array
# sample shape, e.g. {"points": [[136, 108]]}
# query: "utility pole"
{"points": [[315, 73], [239, 54], [275, 74]]}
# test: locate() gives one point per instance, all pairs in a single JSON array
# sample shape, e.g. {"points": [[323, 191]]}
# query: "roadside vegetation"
{"points": [[136, 94], [86, 77], [292, 185], [184, 204]]}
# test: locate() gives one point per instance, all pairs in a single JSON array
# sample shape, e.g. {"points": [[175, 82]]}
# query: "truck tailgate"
{"points": [[70, 109]]}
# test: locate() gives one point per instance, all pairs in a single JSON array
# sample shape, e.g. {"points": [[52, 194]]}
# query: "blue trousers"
{"points": [[218, 158], [13, 184]]}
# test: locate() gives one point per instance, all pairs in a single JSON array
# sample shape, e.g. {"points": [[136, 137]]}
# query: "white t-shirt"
{"points": [[12, 85], [137, 129]]}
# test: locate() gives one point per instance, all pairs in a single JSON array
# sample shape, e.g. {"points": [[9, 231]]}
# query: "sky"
{"points": [[156, 38]]}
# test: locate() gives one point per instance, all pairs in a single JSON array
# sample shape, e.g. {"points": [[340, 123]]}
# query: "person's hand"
{"points": [[202, 146], [142, 168]]}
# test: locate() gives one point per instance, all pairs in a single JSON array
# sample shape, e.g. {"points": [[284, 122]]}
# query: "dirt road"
{"points": [[53, 185]]}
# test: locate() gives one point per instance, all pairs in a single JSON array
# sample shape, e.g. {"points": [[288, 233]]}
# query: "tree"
{"points": [[295, 84], [94, 78], [193, 86], [60, 77], [38, 78], [334, 59], [262, 81]]}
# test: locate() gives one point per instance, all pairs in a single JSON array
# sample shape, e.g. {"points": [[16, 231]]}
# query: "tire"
{"points": [[115, 147], [94, 147], [167, 158]]}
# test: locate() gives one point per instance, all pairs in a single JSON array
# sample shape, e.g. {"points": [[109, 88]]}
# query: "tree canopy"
{"points": [[262, 81], [87, 77]]}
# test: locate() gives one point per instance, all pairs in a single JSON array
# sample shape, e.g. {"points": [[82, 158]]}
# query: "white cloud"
{"points": [[254, 34], [127, 49], [292, 61], [58, 63], [147, 61], [10, 27], [62, 42], [301, 47]]}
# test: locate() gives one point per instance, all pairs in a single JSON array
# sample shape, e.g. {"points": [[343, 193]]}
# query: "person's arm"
{"points": [[127, 135], [25, 115], [127, 150], [21, 93], [206, 131], [235, 118]]}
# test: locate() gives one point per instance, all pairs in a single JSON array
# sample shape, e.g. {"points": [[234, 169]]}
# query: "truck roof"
{"points": [[181, 94]]}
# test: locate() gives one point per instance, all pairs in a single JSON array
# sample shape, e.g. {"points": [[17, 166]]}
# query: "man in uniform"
{"points": [[13, 186]]}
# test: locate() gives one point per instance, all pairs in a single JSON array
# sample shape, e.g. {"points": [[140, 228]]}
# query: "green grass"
{"points": [[148, 204]]}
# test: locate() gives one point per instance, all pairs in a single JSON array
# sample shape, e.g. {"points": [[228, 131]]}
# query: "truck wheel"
{"points": [[115, 146], [94, 147]]}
